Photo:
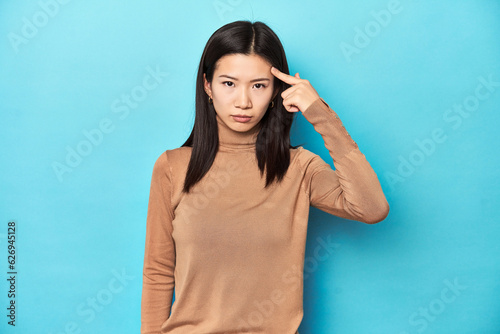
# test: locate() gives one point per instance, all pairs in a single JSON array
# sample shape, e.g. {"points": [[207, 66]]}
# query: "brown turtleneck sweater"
{"points": [[234, 251]]}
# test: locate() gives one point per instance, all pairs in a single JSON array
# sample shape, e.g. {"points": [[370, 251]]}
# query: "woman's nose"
{"points": [[243, 100]]}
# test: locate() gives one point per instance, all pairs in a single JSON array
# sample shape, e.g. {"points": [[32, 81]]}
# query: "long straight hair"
{"points": [[273, 140]]}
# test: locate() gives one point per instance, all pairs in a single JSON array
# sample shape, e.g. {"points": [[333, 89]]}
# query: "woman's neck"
{"points": [[231, 140]]}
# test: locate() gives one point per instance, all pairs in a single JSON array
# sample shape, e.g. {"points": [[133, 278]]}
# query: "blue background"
{"points": [[395, 82]]}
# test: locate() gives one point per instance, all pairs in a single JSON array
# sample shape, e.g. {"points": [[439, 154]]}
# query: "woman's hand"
{"points": [[298, 97]]}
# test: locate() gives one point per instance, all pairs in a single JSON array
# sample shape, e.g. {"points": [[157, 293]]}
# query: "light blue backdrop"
{"points": [[416, 83]]}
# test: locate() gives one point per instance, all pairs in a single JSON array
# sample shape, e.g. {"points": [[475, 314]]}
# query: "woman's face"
{"points": [[241, 85]]}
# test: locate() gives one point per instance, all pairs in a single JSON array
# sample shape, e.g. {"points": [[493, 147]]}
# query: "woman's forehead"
{"points": [[242, 66]]}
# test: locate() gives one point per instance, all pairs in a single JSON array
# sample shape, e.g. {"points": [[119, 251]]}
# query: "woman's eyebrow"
{"points": [[235, 79]]}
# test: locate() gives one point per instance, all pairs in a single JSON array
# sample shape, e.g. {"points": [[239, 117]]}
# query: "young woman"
{"points": [[228, 210]]}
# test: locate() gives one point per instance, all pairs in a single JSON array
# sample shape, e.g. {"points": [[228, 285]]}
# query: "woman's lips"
{"points": [[241, 119]]}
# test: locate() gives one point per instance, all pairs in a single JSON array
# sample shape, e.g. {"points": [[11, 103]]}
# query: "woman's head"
{"points": [[242, 85], [241, 38], [244, 51]]}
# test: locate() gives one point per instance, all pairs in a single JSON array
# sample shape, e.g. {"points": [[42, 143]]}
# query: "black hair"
{"points": [[273, 140]]}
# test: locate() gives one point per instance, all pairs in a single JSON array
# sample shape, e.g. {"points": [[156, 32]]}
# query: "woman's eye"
{"points": [[228, 83], [260, 85]]}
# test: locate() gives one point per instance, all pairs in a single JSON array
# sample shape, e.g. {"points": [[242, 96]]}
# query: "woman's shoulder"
{"points": [[173, 158], [182, 152], [303, 157], [301, 154], [177, 159]]}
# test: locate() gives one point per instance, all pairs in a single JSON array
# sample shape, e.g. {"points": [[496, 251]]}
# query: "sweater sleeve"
{"points": [[159, 255], [352, 190]]}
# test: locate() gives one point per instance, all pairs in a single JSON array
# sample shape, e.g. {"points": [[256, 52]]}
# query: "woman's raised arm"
{"points": [[350, 191]]}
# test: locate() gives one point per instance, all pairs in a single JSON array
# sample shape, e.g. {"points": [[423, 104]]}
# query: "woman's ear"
{"points": [[206, 85], [276, 90]]}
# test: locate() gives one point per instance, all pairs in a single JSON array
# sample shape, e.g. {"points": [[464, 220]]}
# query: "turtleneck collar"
{"points": [[230, 140]]}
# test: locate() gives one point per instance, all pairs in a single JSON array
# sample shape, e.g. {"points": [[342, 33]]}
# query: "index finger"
{"points": [[284, 77]]}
